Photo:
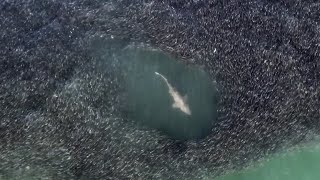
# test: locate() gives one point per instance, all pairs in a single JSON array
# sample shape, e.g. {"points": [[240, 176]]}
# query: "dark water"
{"points": [[149, 101]]}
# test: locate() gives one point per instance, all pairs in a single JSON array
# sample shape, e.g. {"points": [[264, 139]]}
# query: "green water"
{"points": [[303, 164], [150, 104]]}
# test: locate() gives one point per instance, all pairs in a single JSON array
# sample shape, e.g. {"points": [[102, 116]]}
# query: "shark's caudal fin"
{"points": [[158, 74], [165, 79]]}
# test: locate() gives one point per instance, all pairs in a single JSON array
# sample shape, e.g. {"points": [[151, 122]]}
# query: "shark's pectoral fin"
{"points": [[175, 105], [185, 98]]}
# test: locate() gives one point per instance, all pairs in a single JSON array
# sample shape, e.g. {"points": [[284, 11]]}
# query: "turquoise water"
{"points": [[150, 104], [302, 164]]}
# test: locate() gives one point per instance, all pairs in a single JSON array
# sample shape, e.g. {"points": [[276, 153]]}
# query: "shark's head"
{"points": [[182, 106], [186, 110]]}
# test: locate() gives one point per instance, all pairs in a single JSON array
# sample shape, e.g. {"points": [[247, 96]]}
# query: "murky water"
{"points": [[302, 164], [149, 101]]}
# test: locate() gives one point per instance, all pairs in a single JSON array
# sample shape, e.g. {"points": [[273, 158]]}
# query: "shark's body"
{"points": [[179, 101]]}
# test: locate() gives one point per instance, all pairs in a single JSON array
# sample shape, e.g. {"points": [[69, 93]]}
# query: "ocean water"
{"points": [[300, 164], [59, 103], [149, 101]]}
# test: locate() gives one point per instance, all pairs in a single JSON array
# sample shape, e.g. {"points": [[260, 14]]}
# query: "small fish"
{"points": [[179, 101]]}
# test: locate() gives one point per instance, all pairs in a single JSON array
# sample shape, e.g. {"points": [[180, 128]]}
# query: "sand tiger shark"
{"points": [[179, 101]]}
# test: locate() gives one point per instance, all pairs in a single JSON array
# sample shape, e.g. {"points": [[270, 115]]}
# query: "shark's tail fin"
{"points": [[160, 75], [164, 78]]}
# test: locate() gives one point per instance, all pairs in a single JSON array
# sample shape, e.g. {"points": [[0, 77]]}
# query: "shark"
{"points": [[179, 102]]}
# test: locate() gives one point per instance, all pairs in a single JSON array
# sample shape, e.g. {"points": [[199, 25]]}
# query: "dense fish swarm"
{"points": [[61, 95]]}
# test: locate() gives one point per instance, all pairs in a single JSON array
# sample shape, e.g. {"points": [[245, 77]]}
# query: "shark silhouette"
{"points": [[179, 101]]}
